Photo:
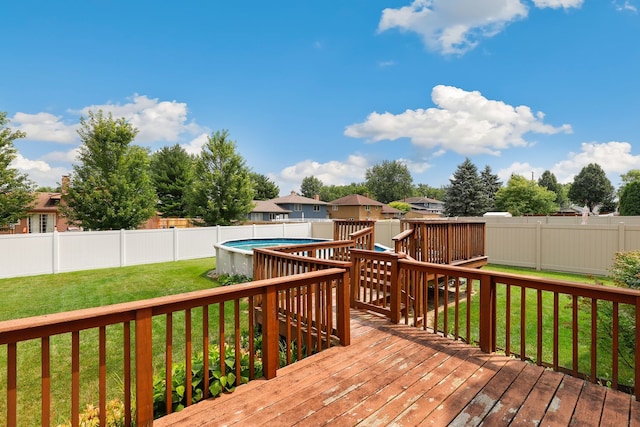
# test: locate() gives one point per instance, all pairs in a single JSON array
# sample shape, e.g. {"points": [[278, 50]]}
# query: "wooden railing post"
{"points": [[636, 376], [144, 368], [344, 318], [270, 333], [487, 314], [396, 290]]}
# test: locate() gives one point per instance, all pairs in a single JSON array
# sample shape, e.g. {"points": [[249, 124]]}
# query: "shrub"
{"points": [[90, 417]]}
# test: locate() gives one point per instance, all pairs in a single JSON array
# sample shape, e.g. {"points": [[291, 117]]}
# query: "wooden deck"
{"points": [[399, 375]]}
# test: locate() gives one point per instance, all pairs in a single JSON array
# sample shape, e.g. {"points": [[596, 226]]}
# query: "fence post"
{"points": [[56, 252], [396, 291], [175, 244], [270, 333], [344, 318], [123, 246], [144, 368], [621, 237], [538, 245], [487, 314]]}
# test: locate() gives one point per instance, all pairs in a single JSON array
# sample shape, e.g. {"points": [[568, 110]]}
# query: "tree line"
{"points": [[116, 184]]}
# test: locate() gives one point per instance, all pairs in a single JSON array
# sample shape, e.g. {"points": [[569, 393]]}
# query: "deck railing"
{"points": [[588, 331], [441, 242], [305, 295]]}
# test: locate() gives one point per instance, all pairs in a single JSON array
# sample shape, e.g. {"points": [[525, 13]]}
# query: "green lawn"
{"points": [[604, 362], [37, 295]]}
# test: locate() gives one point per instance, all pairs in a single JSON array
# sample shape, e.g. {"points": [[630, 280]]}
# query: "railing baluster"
{"points": [[12, 382], [46, 381], [205, 348], [539, 334], [188, 356], [75, 378], [523, 323], [126, 329], [168, 367], [574, 335], [556, 330], [221, 338], [507, 335], [594, 340], [614, 347], [238, 357], [102, 376]]}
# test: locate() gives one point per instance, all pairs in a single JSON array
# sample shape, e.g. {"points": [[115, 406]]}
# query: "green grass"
{"points": [[38, 295], [565, 304]]}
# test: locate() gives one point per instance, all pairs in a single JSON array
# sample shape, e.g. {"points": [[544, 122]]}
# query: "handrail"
{"points": [[315, 321]]}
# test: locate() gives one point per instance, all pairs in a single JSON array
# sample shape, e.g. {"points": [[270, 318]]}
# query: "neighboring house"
{"points": [[266, 210], [423, 207], [356, 207], [43, 217], [389, 212], [300, 207]]}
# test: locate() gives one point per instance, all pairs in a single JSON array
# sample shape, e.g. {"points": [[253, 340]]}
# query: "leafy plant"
{"points": [[115, 415], [232, 279]]}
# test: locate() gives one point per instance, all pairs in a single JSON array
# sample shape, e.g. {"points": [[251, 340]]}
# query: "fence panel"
{"points": [[26, 254], [88, 250]]}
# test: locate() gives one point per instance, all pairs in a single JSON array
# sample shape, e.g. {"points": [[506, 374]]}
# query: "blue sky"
{"points": [[331, 88]]}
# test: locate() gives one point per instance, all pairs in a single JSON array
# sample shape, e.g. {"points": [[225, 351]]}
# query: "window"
{"points": [[335, 207], [367, 208], [256, 216], [42, 223], [316, 208], [297, 207]]}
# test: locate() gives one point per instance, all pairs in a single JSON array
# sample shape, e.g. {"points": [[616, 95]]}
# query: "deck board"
{"points": [[403, 376]]}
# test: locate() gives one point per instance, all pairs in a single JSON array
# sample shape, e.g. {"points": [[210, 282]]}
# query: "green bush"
{"points": [[217, 384]]}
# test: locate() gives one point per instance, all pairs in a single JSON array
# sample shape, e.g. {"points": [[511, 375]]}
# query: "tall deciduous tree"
{"points": [[222, 192], [591, 187], [389, 181], [525, 197], [15, 188], [333, 192], [172, 175], [110, 188], [465, 196], [424, 190], [263, 187], [310, 186], [491, 184]]}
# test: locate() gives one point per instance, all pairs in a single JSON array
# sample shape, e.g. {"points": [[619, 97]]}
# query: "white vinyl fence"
{"points": [[46, 253]]}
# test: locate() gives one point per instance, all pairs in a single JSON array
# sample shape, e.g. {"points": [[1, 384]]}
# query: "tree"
{"points": [[630, 199], [389, 181], [404, 207], [263, 187], [333, 192], [16, 191], [311, 186], [222, 192], [591, 187], [465, 196], [110, 188], [491, 184], [630, 176], [548, 180], [424, 190], [172, 175], [525, 197]]}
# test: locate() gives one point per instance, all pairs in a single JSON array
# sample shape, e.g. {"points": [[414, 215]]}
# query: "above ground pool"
{"points": [[236, 256]]}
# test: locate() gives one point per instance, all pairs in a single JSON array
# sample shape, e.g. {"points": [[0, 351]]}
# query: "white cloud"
{"points": [[614, 158], [45, 127], [625, 5], [61, 156], [453, 26], [195, 146], [39, 171], [330, 173], [464, 122], [156, 120], [557, 4], [416, 166], [517, 168]]}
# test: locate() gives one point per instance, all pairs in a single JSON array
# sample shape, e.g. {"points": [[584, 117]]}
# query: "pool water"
{"points": [[250, 244]]}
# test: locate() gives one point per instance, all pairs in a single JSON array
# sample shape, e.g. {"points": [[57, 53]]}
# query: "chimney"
{"points": [[316, 197], [293, 193], [64, 184]]}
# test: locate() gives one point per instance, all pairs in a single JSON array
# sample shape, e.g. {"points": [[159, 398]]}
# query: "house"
{"points": [[423, 207], [389, 212], [44, 216], [355, 207], [266, 210], [302, 207]]}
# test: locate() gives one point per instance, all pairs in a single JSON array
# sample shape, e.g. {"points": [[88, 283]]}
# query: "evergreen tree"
{"points": [[548, 180], [491, 184], [263, 187], [111, 187], [630, 199], [310, 186], [172, 175], [591, 186], [465, 196], [222, 193], [16, 195], [525, 197], [389, 181]]}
